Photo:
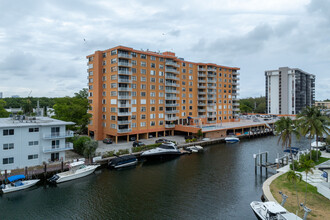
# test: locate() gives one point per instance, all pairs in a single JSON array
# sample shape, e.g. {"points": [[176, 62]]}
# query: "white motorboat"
{"points": [[164, 151], [271, 211], [17, 183], [231, 139], [123, 161], [195, 149], [318, 145], [76, 170]]}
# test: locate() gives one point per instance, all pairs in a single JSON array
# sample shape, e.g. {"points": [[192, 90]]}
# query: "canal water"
{"points": [[217, 184]]}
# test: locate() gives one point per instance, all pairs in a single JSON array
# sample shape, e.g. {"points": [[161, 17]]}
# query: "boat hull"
{"points": [[26, 184], [161, 156], [64, 178], [133, 163]]}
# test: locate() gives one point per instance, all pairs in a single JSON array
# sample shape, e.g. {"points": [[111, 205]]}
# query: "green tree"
{"points": [[313, 123], [308, 166], [3, 112], [292, 176], [90, 147], [74, 109], [199, 133], [256, 105], [285, 128], [27, 106], [78, 144]]}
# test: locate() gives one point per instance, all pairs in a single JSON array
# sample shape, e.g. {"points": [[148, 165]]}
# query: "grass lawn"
{"points": [[321, 160], [319, 204]]}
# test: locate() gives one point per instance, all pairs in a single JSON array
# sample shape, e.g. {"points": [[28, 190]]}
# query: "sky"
{"points": [[44, 44]]}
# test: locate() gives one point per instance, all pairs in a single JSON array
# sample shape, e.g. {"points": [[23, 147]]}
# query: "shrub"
{"points": [[145, 147], [187, 140], [314, 153], [194, 139], [78, 144], [122, 151], [108, 154], [296, 165]]}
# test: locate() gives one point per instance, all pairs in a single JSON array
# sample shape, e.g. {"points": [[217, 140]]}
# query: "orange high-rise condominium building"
{"points": [[135, 93]]}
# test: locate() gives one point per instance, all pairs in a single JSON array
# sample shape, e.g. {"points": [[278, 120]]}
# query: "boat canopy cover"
{"points": [[14, 178], [274, 207], [78, 163], [122, 158], [290, 216]]}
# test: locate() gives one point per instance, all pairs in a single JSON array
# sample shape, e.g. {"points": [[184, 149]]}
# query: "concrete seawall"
{"points": [[266, 187]]}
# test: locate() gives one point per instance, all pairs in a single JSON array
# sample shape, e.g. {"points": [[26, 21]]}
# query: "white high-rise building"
{"points": [[288, 90], [30, 141], [1, 94]]}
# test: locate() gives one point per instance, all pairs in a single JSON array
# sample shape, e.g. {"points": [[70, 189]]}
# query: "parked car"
{"points": [[162, 140], [150, 136], [327, 149], [138, 144], [107, 141]]}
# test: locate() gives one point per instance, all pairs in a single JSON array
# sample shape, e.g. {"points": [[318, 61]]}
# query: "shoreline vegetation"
{"points": [[315, 201]]}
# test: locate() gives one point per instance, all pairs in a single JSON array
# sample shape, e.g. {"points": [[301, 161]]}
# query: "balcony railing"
{"points": [[212, 93], [211, 75], [124, 80], [124, 64], [236, 73], [201, 69], [124, 113], [124, 72], [171, 84], [125, 122], [235, 109], [171, 70], [201, 93], [171, 105], [54, 135], [126, 105], [171, 111], [211, 104], [201, 98], [124, 97], [235, 83], [124, 130], [212, 87], [171, 118], [124, 89], [124, 55], [201, 87], [51, 149], [171, 91], [234, 98], [170, 63], [211, 81], [201, 110], [171, 98], [235, 103], [211, 110], [169, 125], [201, 81], [201, 75], [236, 78], [201, 104], [171, 77], [236, 88]]}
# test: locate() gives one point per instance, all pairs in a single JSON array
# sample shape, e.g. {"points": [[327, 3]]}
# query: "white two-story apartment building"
{"points": [[31, 141]]}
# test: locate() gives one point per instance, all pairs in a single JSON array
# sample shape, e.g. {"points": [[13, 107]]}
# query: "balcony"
{"points": [[235, 103], [169, 125], [211, 104], [55, 135], [201, 104], [125, 105], [211, 98], [171, 63], [172, 98], [171, 105], [235, 93], [201, 69], [236, 88], [212, 87], [171, 77], [171, 84], [124, 113], [124, 55], [236, 73], [201, 93], [68, 146], [171, 118], [201, 98], [211, 110], [201, 110], [236, 78], [171, 111], [211, 75], [124, 130], [235, 83], [125, 97], [201, 81], [127, 64], [234, 98], [201, 75], [124, 89], [124, 122], [171, 91], [201, 87], [124, 72], [212, 93], [211, 81], [171, 70], [124, 80]]}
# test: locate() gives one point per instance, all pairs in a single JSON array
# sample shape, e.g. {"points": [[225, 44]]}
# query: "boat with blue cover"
{"points": [[231, 139], [122, 161], [16, 183]]}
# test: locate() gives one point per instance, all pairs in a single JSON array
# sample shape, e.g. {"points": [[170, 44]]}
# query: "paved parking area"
{"points": [[128, 145]]}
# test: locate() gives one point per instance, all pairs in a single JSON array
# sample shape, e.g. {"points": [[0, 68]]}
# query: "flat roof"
{"points": [[31, 121]]}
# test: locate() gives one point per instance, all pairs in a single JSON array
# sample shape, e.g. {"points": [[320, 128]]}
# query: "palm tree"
{"points": [[312, 122], [292, 176], [308, 166], [286, 128]]}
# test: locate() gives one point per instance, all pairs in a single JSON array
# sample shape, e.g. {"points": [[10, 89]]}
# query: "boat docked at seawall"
{"points": [[123, 161], [195, 148], [76, 170], [271, 211], [164, 151], [231, 140], [17, 183], [318, 145]]}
